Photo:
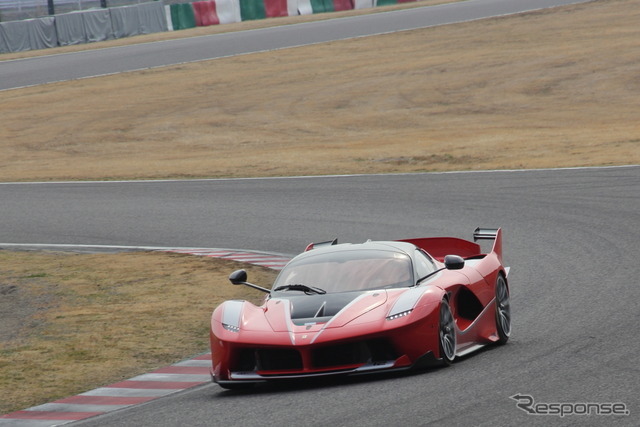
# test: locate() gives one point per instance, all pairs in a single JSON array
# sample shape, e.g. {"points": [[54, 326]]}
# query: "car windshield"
{"points": [[343, 271]]}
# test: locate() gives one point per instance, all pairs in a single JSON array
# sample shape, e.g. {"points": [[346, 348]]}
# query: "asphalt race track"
{"points": [[571, 239], [69, 66]]}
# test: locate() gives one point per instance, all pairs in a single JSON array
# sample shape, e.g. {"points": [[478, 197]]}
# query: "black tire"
{"points": [[446, 334], [503, 310]]}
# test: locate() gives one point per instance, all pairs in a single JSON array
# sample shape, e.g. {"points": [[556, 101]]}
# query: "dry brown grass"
{"points": [[542, 89], [80, 321]]}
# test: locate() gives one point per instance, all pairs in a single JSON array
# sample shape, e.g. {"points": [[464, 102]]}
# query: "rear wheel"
{"points": [[447, 332], [503, 310]]}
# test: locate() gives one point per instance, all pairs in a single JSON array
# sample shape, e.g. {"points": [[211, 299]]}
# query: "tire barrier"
{"points": [[252, 9], [182, 16], [322, 6], [363, 4], [276, 8], [391, 2], [339, 5], [205, 13], [145, 18], [228, 11]]}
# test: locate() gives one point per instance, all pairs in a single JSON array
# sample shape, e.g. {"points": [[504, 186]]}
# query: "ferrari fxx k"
{"points": [[365, 308]]}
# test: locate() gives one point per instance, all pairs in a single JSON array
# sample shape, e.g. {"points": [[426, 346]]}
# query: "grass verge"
{"points": [[74, 322]]}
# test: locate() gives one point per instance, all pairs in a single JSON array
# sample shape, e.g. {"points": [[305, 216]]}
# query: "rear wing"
{"points": [[439, 247], [485, 233], [494, 234]]}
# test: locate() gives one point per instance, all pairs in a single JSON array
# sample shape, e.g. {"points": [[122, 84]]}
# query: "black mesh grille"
{"points": [[337, 355], [267, 359], [370, 351], [244, 360]]}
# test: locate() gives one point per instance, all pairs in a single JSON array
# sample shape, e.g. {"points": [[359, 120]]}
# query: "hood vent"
{"points": [[319, 308]]}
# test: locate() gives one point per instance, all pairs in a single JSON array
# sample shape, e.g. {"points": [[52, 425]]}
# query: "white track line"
{"points": [[576, 168]]}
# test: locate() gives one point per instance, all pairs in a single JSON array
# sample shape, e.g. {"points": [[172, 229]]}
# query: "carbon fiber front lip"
{"points": [[252, 376]]}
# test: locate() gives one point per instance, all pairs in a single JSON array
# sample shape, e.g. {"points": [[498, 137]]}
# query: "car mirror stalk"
{"points": [[239, 277]]}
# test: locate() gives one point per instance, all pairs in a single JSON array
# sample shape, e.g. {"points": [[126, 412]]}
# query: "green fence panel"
{"points": [[252, 9], [321, 6], [175, 23], [175, 16], [188, 15], [182, 16]]}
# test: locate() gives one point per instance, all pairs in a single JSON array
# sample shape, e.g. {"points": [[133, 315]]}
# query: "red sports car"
{"points": [[364, 308]]}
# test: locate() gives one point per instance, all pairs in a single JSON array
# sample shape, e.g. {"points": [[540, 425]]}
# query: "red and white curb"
{"points": [[265, 259], [143, 388], [140, 389], [274, 261]]}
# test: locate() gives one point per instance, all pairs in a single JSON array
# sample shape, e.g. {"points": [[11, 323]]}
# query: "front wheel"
{"points": [[503, 310], [447, 332]]}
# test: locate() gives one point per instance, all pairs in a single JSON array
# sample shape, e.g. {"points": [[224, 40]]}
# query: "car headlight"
{"points": [[231, 328], [399, 315]]}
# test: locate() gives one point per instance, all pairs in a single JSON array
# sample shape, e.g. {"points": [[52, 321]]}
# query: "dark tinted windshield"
{"points": [[343, 271]]}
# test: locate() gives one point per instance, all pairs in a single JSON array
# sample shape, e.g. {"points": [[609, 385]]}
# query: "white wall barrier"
{"points": [[16, 36], [151, 17], [125, 22], [363, 4], [82, 27], [304, 7], [70, 28], [292, 7], [97, 25], [228, 11], [167, 14]]}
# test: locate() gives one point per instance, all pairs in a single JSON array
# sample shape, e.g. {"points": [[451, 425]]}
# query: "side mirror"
{"points": [[453, 262], [238, 277]]}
